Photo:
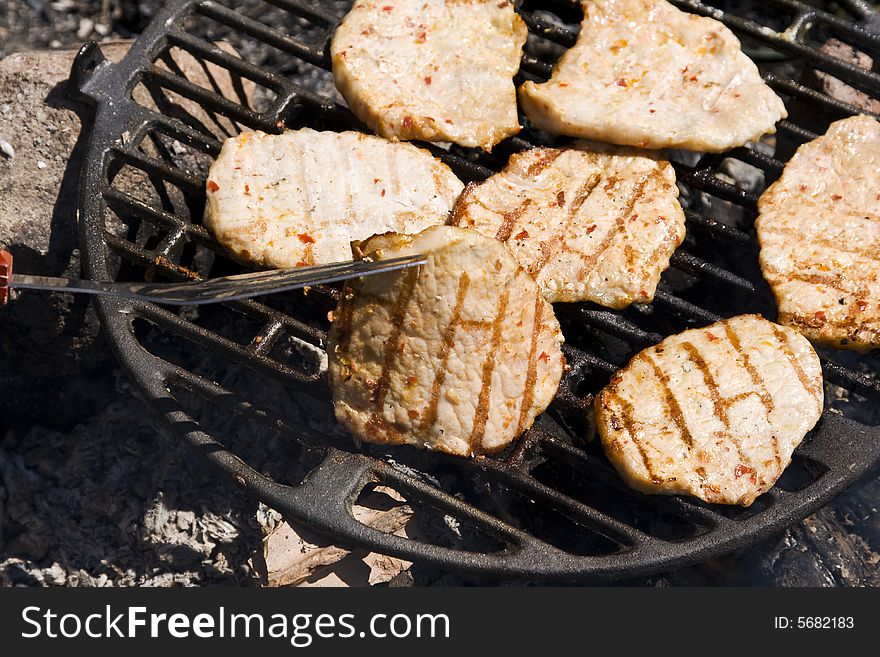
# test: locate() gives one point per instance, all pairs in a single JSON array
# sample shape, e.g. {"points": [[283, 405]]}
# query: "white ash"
{"points": [[114, 503], [6, 149]]}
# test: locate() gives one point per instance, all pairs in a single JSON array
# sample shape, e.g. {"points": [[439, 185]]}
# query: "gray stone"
{"points": [[51, 352]]}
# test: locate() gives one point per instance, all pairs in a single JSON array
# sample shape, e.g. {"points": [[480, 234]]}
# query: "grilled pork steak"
{"points": [[301, 197], [436, 70], [643, 73], [458, 356], [595, 223], [819, 229], [714, 412]]}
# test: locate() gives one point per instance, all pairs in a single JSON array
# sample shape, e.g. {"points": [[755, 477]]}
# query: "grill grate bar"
{"points": [[309, 53], [535, 66], [248, 307], [121, 202], [169, 245], [849, 378], [154, 166], [606, 474], [693, 265], [564, 36], [716, 229], [229, 348], [416, 490], [176, 129], [209, 52], [310, 10], [211, 99], [814, 97], [856, 76], [618, 326], [684, 309], [801, 133], [581, 357], [705, 179], [610, 527], [756, 159], [290, 425], [267, 337]]}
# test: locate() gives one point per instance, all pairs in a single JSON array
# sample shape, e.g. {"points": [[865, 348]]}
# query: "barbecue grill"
{"points": [[551, 507]]}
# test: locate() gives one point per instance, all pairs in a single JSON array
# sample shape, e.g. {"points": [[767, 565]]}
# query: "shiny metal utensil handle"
{"points": [[213, 290]]}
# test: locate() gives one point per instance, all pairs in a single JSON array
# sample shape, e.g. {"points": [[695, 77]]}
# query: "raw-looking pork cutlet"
{"points": [[714, 412], [435, 70], [593, 222], [301, 197], [645, 74], [819, 229], [458, 356]]}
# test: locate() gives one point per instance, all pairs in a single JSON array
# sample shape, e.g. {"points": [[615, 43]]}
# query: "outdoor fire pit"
{"points": [[243, 384]]}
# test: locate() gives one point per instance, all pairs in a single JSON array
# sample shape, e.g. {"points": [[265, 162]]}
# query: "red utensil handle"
{"points": [[5, 275]]}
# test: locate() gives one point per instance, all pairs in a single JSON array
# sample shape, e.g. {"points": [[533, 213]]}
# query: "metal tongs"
{"points": [[213, 290]]}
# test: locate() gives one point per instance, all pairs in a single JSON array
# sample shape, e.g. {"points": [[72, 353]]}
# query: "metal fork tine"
{"points": [[227, 288]]}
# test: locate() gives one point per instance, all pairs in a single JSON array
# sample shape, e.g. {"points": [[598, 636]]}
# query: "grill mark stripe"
{"points": [[548, 156], [474, 324], [532, 370], [833, 282], [758, 382], [346, 315], [782, 338], [619, 225], [482, 412], [346, 165], [869, 253], [429, 417], [584, 192], [766, 397], [746, 361], [398, 314], [392, 172], [462, 205], [304, 181], [672, 404], [719, 404], [627, 417], [510, 218], [308, 256], [580, 197], [652, 269]]}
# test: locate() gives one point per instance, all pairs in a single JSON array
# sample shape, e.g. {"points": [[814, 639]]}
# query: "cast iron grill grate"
{"points": [[551, 507]]}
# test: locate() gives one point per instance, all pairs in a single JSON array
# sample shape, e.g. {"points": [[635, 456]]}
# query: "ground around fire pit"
{"points": [[93, 493]]}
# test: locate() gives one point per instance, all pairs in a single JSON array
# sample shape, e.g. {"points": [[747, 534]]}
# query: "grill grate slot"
{"points": [[612, 531]]}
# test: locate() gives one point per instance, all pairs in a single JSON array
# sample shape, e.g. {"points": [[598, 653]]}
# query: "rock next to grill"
{"points": [[645, 74], [819, 229], [714, 412], [436, 70], [458, 356], [595, 223], [301, 197]]}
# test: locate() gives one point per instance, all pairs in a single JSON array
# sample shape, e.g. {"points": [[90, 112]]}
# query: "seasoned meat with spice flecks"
{"points": [[435, 70], [301, 197], [459, 355], [645, 74], [819, 229], [595, 222], [714, 412]]}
